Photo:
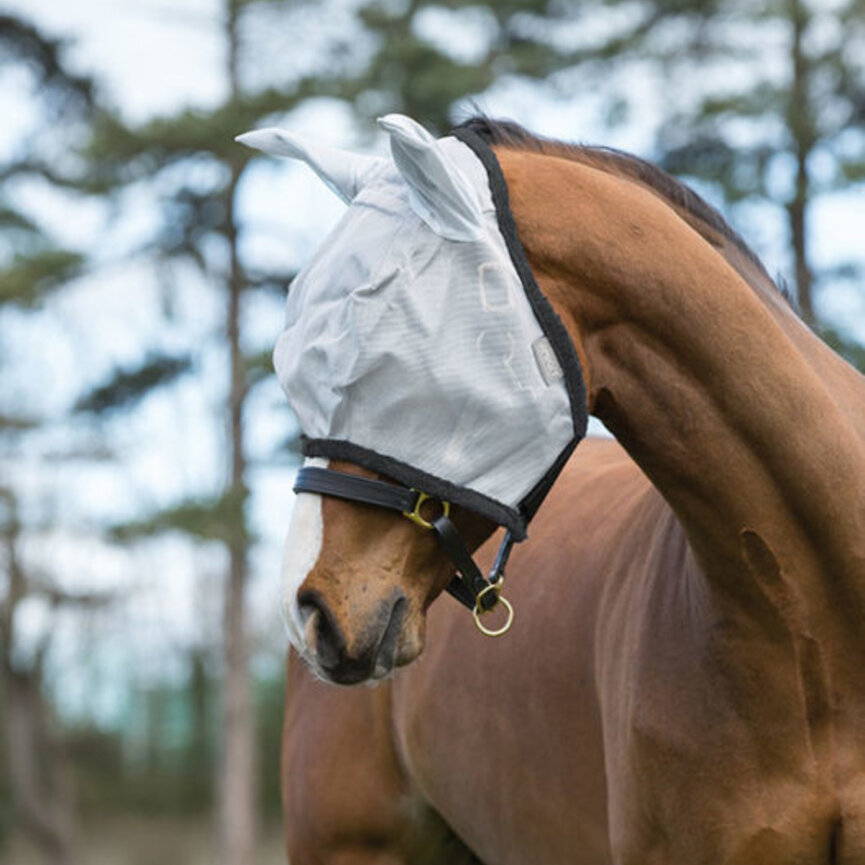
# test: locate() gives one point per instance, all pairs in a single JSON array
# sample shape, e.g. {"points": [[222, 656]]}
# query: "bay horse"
{"points": [[684, 681]]}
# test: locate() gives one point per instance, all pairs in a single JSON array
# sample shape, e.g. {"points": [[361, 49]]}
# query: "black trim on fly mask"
{"points": [[472, 134], [469, 586]]}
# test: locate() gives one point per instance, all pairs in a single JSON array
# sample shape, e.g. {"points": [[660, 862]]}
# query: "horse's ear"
{"points": [[345, 173], [441, 194]]}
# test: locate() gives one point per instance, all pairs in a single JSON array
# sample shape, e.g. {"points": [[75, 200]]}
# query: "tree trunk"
{"points": [[40, 797], [236, 807], [37, 795], [236, 793], [801, 125], [236, 811]]}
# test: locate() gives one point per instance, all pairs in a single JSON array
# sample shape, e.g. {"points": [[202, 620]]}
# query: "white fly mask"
{"points": [[417, 342]]}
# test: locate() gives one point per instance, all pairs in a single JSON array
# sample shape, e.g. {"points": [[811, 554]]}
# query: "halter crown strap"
{"points": [[473, 589]]}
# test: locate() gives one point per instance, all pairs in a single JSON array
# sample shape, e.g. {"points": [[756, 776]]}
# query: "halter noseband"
{"points": [[480, 594]]}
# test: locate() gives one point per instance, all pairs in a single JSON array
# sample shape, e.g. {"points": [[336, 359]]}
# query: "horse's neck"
{"points": [[751, 429]]}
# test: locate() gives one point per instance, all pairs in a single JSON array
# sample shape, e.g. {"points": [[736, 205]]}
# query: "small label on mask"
{"points": [[548, 363]]}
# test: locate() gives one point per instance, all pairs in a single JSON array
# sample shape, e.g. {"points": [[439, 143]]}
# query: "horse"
{"points": [[684, 679]]}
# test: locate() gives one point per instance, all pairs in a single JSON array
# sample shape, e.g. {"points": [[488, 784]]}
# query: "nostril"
{"points": [[307, 607], [386, 653], [323, 635]]}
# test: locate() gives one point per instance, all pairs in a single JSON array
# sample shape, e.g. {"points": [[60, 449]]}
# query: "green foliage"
{"points": [[27, 279], [784, 122], [34, 267], [269, 696], [410, 73], [16, 223], [191, 217], [163, 759], [273, 281], [850, 349], [12, 423], [219, 518], [127, 387], [128, 153], [741, 174], [259, 367], [22, 44]]}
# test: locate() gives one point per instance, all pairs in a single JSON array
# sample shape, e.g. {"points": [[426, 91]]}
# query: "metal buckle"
{"points": [[478, 611], [414, 514]]}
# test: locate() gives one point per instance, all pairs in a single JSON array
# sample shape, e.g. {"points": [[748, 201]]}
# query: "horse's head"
{"points": [[357, 581], [417, 346]]}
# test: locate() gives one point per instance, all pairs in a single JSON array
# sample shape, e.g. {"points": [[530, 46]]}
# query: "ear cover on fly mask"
{"points": [[439, 193], [344, 172]]}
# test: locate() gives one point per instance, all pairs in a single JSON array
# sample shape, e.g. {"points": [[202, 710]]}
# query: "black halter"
{"points": [[469, 586]]}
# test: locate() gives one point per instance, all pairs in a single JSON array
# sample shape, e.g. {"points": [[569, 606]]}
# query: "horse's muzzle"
{"points": [[371, 655]]}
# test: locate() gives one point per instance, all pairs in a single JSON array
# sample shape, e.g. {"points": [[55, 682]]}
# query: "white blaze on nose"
{"points": [[302, 547]]}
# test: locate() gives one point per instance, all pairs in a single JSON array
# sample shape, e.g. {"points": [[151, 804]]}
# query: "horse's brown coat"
{"points": [[685, 679]]}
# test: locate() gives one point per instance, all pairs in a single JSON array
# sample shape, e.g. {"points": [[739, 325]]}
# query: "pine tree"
{"points": [[780, 119], [34, 267], [33, 263], [201, 228], [417, 70]]}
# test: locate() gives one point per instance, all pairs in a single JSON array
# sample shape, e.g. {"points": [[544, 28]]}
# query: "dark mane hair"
{"points": [[509, 134]]}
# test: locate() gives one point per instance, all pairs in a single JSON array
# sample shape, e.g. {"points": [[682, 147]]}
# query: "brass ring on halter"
{"points": [[414, 515], [477, 612]]}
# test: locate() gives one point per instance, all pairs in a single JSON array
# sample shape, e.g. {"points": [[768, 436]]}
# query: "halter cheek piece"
{"points": [[480, 594]]}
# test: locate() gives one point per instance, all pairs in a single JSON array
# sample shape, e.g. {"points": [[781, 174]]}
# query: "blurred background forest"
{"points": [[146, 454]]}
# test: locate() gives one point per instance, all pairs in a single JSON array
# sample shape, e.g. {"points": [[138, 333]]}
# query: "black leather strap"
{"points": [[328, 482], [474, 581], [458, 589], [469, 582]]}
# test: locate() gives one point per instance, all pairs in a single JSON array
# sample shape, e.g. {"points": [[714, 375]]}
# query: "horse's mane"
{"points": [[509, 134]]}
